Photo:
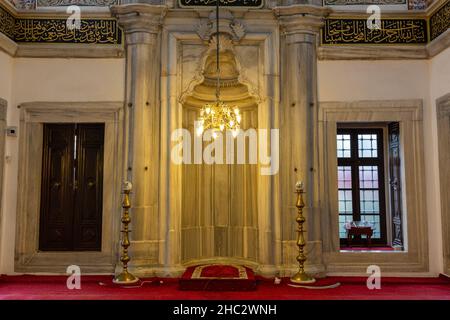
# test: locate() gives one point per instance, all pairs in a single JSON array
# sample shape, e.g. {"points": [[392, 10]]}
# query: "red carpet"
{"points": [[351, 288], [218, 278]]}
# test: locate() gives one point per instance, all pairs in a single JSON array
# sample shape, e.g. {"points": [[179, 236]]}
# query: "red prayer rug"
{"points": [[218, 277]]}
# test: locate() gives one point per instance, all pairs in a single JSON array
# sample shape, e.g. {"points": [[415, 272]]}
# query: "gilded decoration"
{"points": [[49, 30], [7, 22], [362, 2], [98, 31], [440, 21], [32, 4], [392, 31], [223, 3], [49, 3]]}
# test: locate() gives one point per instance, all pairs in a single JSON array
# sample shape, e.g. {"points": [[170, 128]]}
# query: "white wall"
{"points": [[25, 80], [439, 75], [6, 76], [412, 79], [50, 80], [370, 80], [6, 71]]}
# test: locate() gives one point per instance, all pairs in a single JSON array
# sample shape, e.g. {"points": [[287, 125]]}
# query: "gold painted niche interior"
{"points": [[219, 202]]}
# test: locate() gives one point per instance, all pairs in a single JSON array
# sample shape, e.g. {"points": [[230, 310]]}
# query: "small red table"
{"points": [[358, 231]]}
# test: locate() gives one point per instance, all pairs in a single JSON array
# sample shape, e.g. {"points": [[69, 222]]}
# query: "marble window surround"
{"points": [[33, 115], [443, 121], [409, 114]]}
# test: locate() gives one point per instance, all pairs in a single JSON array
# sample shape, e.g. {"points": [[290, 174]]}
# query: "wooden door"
{"points": [[72, 186]]}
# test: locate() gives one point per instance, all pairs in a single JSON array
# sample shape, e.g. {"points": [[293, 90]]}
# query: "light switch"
{"points": [[11, 131]]}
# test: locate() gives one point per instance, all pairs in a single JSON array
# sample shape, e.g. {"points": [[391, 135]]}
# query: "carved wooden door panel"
{"points": [[56, 188], [72, 186], [395, 184], [89, 189]]}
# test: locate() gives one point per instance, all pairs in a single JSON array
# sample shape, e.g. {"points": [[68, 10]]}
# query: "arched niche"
{"points": [[219, 210]]}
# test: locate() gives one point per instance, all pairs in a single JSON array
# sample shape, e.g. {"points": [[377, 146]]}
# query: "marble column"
{"points": [[141, 24], [300, 26]]}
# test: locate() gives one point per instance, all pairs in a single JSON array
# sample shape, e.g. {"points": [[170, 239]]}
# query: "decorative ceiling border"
{"points": [[411, 35]]}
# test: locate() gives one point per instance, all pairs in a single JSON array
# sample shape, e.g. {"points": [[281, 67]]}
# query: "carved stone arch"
{"points": [[226, 45]]}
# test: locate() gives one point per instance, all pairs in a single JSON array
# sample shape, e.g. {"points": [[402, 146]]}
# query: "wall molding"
{"points": [[443, 123], [32, 116], [68, 51], [409, 114]]}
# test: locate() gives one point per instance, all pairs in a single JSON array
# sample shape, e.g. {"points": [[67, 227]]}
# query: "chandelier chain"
{"points": [[218, 116], [217, 52]]}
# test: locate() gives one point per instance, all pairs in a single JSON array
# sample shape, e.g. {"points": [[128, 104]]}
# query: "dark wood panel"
{"points": [[89, 193], [72, 187], [395, 184], [56, 195]]}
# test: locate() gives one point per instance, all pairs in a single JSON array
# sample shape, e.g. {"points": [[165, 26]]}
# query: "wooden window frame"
{"points": [[355, 162]]}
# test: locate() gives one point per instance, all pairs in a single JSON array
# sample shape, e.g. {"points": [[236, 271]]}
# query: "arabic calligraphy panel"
{"points": [[104, 31], [392, 31], [7, 22], [440, 21], [223, 3], [361, 2]]}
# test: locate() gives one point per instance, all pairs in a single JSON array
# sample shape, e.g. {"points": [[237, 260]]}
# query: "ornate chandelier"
{"points": [[218, 116]]}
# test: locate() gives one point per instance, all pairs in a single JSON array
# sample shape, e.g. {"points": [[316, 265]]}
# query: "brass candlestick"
{"points": [[301, 276], [125, 277]]}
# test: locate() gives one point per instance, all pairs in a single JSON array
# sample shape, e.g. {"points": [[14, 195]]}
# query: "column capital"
{"points": [[140, 22], [301, 19]]}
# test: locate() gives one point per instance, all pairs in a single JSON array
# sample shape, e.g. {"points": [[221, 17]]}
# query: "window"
{"points": [[361, 191]]}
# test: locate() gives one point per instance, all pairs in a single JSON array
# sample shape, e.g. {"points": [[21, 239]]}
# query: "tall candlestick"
{"points": [[125, 277], [301, 276]]}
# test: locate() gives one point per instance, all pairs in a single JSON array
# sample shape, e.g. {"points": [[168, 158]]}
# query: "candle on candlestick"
{"points": [[127, 186], [299, 185]]}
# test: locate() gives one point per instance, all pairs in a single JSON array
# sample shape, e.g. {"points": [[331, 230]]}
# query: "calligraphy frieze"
{"points": [[392, 31], [49, 3], [7, 22], [223, 3], [98, 31], [440, 21], [362, 2]]}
